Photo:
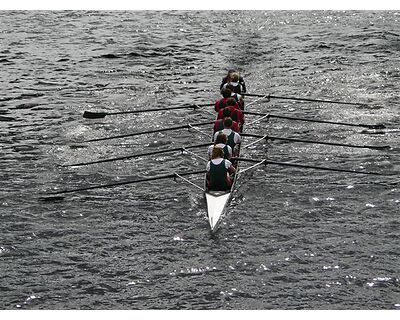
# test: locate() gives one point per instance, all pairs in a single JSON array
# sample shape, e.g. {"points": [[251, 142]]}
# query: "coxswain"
{"points": [[228, 112], [220, 142], [233, 138], [221, 103], [218, 169], [234, 82], [228, 78]]}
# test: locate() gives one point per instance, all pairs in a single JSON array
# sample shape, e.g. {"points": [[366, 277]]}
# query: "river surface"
{"points": [[293, 238]]}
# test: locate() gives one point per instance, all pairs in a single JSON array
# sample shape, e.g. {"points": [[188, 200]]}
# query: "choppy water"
{"points": [[294, 238]]}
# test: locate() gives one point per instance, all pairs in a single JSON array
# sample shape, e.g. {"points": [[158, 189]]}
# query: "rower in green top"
{"points": [[218, 169], [233, 138], [220, 142]]}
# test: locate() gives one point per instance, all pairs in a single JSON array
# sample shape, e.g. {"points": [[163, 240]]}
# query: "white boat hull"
{"points": [[218, 203], [216, 206]]}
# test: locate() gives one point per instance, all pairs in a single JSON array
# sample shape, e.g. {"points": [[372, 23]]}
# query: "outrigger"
{"points": [[217, 202]]}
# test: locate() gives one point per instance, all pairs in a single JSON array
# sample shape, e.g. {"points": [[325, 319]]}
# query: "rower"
{"points": [[239, 99], [218, 169], [231, 101], [228, 78], [220, 142], [221, 103], [237, 114], [233, 137], [227, 112], [234, 81]]}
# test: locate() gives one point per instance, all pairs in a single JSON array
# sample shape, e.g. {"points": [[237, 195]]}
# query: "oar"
{"points": [[302, 99], [316, 142], [369, 126], [187, 126], [383, 131], [97, 115], [137, 155], [55, 195], [303, 166]]}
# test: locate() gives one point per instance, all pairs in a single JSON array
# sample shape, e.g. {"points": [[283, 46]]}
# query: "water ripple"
{"points": [[293, 238]]}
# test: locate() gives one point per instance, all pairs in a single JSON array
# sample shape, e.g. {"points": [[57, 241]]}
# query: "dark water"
{"points": [[293, 239]]}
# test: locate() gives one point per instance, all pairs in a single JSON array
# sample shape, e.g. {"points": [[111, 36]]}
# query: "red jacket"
{"points": [[236, 115], [223, 101]]}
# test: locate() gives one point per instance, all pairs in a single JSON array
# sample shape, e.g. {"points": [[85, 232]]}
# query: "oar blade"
{"points": [[379, 147], [376, 126], [51, 198], [94, 115]]}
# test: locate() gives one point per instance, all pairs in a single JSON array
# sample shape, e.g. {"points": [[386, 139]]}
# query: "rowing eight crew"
{"points": [[226, 136]]}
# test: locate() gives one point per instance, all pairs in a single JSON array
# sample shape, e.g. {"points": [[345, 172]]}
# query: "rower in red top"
{"points": [[237, 114], [232, 103], [221, 103], [227, 112], [218, 169], [234, 138]]}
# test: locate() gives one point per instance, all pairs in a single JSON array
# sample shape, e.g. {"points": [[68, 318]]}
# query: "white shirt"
{"points": [[219, 145], [217, 162], [237, 138], [234, 84]]}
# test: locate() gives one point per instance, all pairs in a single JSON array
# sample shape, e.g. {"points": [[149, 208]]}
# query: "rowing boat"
{"points": [[219, 201]]}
